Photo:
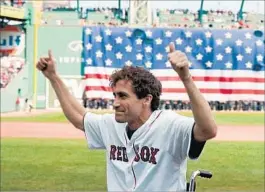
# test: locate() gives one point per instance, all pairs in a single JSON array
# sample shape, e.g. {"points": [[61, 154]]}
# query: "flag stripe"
{"points": [[171, 73], [217, 79], [195, 78], [179, 84], [182, 90]]}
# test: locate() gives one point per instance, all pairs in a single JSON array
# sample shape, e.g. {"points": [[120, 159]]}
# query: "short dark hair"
{"points": [[143, 83]]}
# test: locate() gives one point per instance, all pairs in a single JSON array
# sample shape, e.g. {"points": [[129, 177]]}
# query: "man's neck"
{"points": [[140, 121]]}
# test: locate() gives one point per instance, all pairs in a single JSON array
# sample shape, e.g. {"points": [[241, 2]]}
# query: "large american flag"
{"points": [[225, 64]]}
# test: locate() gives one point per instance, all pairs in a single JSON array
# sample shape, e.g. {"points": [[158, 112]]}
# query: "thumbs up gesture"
{"points": [[179, 62], [47, 65]]}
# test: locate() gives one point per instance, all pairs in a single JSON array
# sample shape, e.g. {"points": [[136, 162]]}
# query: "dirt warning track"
{"points": [[67, 131]]}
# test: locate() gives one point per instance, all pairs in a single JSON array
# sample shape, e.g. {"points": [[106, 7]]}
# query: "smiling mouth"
{"points": [[119, 112]]}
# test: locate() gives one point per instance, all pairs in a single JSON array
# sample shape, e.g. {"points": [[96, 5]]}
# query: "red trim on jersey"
{"points": [[153, 122], [155, 119], [132, 167], [135, 181], [125, 138]]}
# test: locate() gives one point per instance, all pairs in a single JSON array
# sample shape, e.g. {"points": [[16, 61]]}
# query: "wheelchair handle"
{"points": [[200, 173], [205, 174]]}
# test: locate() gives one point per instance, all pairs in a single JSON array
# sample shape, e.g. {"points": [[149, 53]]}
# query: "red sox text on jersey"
{"points": [[146, 154]]}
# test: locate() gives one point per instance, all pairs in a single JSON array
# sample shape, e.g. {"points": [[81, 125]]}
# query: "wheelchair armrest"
{"points": [[201, 173], [205, 174]]}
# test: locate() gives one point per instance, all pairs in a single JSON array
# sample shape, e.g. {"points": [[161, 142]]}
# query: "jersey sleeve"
{"points": [[196, 147], [180, 136], [96, 130]]}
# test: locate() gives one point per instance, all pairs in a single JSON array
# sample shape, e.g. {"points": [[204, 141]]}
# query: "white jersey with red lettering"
{"points": [[154, 159]]}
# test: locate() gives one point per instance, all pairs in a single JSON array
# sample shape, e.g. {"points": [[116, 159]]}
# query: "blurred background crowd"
{"points": [[182, 18], [9, 68], [226, 19], [98, 103], [14, 3]]}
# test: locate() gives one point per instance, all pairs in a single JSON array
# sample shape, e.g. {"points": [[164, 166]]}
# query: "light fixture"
{"points": [[13, 22]]}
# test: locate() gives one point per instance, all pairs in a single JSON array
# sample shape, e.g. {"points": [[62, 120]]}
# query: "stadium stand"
{"points": [[10, 66], [180, 18], [15, 3], [221, 19], [99, 103]]}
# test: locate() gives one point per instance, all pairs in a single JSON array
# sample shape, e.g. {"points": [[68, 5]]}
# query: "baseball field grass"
{"points": [[68, 165], [222, 118]]}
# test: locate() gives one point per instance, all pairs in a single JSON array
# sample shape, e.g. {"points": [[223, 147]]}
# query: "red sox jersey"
{"points": [[154, 159]]}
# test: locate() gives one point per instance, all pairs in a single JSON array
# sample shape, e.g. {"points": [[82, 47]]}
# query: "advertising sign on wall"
{"points": [[12, 12], [12, 47], [12, 40]]}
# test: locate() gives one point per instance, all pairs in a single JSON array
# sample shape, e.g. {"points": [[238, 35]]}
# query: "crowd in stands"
{"points": [[181, 18], [210, 19], [9, 68], [185, 105], [106, 16], [14, 3]]}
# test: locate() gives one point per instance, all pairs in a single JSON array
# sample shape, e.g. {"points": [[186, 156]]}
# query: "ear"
{"points": [[148, 99]]}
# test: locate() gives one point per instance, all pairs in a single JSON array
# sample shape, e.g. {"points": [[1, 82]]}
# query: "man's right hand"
{"points": [[47, 65]]}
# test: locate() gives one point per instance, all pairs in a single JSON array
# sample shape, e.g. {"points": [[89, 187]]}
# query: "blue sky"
{"points": [[257, 6]]}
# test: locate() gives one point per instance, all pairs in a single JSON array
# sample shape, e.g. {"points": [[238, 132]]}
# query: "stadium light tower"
{"points": [[240, 13], [201, 11], [78, 5], [140, 12]]}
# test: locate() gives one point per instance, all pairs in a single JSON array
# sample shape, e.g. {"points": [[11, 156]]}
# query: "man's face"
{"points": [[127, 106]]}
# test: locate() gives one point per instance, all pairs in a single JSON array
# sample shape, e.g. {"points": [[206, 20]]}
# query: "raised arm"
{"points": [[72, 109], [205, 127]]}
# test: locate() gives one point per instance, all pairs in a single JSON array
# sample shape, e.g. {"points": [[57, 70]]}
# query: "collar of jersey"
{"points": [[146, 126]]}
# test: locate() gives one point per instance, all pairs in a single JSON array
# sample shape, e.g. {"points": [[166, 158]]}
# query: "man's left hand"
{"points": [[179, 62]]}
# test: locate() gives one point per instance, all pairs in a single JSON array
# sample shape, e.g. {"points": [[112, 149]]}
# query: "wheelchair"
{"points": [[191, 185]]}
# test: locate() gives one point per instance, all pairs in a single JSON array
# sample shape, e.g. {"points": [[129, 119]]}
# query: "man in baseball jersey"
{"points": [[146, 148]]}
